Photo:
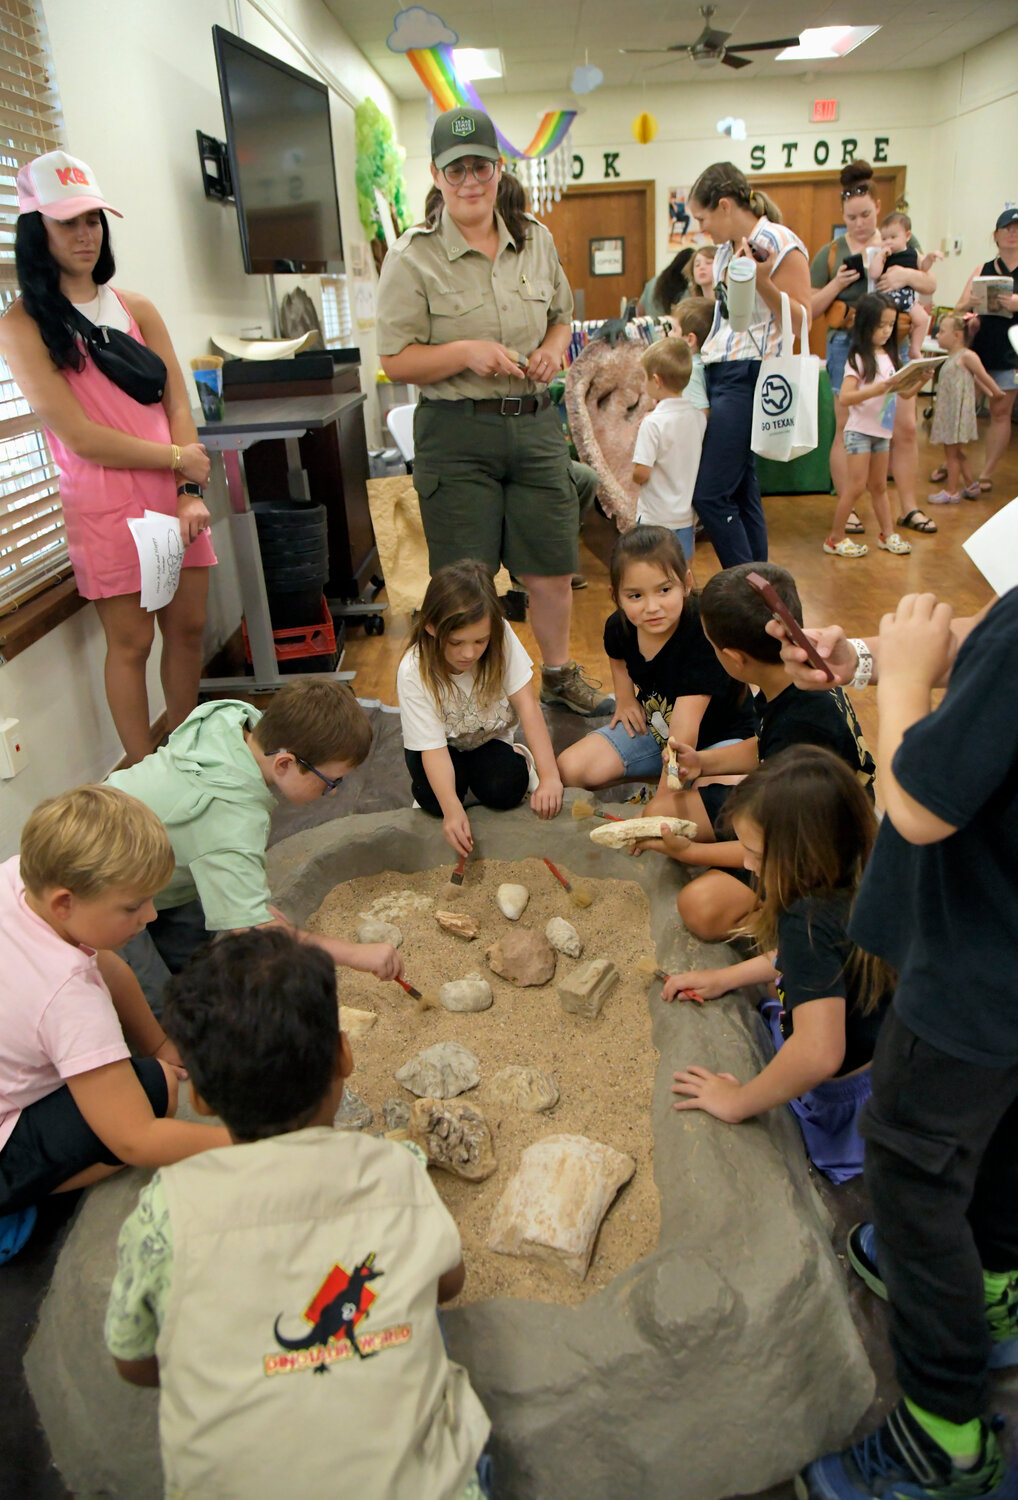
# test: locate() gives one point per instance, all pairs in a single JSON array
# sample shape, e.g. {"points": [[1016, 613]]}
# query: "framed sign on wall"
{"points": [[607, 257]]}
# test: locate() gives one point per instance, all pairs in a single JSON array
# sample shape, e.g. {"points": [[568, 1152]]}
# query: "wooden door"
{"points": [[810, 203], [587, 215]]}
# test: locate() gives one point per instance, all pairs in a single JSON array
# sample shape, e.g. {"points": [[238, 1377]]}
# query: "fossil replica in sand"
{"points": [[556, 1199], [606, 401], [455, 1136], [619, 835]]}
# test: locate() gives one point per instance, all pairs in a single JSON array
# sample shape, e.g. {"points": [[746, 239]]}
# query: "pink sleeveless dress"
{"points": [[98, 502]]}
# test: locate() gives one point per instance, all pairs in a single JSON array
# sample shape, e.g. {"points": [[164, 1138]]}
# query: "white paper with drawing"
{"points": [[994, 549], [160, 553]]}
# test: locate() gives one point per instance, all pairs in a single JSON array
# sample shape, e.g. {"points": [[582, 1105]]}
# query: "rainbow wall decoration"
{"points": [[436, 69]]}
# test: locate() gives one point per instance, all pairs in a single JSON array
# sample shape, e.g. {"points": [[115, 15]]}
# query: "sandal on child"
{"points": [[943, 497], [845, 548], [854, 526], [939, 474], [984, 483], [894, 543], [924, 523], [973, 491]]}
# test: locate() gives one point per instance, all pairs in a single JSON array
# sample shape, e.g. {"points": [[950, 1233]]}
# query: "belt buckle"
{"points": [[506, 408]]}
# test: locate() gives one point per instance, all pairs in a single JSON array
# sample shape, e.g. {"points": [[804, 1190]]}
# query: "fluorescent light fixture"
{"points": [[475, 62], [821, 42]]}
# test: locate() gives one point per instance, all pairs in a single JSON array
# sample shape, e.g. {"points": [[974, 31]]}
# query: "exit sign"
{"points": [[824, 111]]}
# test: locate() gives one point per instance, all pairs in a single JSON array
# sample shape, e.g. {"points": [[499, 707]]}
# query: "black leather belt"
{"points": [[506, 406]]}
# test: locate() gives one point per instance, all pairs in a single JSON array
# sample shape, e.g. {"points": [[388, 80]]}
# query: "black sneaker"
{"points": [[900, 1461]]}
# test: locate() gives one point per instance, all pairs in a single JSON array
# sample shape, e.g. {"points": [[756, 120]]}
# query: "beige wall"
{"points": [[943, 125], [135, 124]]}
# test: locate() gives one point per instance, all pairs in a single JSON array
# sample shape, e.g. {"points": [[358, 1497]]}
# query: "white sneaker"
{"points": [[533, 779]]}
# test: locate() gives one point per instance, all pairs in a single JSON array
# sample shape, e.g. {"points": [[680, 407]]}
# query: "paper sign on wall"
{"points": [[160, 553], [363, 278]]}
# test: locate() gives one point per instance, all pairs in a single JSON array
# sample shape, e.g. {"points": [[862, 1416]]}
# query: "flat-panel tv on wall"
{"points": [[280, 141]]}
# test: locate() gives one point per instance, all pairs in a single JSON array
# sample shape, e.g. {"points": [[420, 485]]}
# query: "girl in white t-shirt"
{"points": [[866, 390], [463, 685]]}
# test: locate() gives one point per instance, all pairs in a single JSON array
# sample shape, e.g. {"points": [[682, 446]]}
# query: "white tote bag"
{"points": [[785, 403]]}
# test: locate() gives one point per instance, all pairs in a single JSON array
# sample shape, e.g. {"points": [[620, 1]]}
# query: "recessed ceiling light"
{"points": [[826, 42], [477, 62]]}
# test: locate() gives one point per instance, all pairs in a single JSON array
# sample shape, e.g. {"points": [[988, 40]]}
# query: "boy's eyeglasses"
{"points": [[331, 782], [455, 173]]}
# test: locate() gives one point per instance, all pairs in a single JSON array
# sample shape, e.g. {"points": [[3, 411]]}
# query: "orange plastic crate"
{"points": [[300, 640]]}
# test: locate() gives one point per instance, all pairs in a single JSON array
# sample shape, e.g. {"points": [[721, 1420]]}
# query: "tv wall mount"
{"points": [[216, 177]]}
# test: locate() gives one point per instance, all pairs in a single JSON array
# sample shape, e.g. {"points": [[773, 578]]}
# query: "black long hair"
{"points": [[868, 312], [672, 283], [39, 279]]}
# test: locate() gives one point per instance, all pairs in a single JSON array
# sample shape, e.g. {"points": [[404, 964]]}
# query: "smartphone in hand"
{"points": [[779, 609]]}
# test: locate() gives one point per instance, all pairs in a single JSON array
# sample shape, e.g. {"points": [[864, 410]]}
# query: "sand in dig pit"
{"points": [[604, 1069]]}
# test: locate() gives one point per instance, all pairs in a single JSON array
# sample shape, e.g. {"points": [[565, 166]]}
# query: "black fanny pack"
{"points": [[136, 369]]}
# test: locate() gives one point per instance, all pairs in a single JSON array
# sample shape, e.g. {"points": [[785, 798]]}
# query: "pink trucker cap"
{"points": [[59, 186]]}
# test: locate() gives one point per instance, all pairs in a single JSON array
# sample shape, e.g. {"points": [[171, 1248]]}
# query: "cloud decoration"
{"points": [[587, 79], [416, 29], [736, 129]]}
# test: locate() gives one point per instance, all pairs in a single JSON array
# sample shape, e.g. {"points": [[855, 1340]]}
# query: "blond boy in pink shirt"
{"points": [[75, 1105]]}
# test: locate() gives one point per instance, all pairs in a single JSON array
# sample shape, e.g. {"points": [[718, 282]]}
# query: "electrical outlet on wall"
{"points": [[13, 755]]}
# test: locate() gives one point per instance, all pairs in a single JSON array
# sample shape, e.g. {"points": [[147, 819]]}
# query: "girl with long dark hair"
{"points": [[117, 457]]}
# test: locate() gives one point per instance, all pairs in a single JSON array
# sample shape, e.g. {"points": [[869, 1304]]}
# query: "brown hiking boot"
{"points": [[567, 686]]}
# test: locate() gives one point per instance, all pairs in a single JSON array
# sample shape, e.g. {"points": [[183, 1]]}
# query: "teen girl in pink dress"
{"points": [[117, 457]]}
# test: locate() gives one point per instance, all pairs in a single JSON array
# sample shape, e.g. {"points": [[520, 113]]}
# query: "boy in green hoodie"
{"points": [[214, 785]]}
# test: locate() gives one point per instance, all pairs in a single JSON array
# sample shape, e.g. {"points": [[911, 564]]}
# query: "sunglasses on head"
{"points": [[861, 190]]}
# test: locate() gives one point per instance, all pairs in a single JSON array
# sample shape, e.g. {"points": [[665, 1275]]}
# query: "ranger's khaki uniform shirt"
{"points": [[435, 289]]}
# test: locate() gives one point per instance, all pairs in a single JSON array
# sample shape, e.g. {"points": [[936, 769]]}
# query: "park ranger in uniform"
{"points": [[474, 309]]}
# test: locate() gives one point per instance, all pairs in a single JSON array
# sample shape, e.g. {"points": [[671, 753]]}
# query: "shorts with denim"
{"points": [[640, 754], [1006, 379], [864, 442], [837, 353]]}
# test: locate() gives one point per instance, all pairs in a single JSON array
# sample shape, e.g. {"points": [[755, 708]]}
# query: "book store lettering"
{"points": [[820, 153], [824, 153]]}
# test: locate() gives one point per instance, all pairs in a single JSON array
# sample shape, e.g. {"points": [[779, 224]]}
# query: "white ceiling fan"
{"points": [[709, 48]]}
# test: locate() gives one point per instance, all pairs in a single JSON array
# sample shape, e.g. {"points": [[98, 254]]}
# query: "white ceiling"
{"points": [[542, 41]]}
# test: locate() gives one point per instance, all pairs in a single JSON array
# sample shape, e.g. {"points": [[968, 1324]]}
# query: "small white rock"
{"points": [[562, 935], [469, 993], [371, 930], [512, 900]]}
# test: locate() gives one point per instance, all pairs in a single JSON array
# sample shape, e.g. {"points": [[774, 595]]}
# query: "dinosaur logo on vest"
{"points": [[341, 1303]]}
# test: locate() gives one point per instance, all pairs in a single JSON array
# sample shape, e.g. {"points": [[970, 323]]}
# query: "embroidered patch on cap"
{"points": [[464, 125]]}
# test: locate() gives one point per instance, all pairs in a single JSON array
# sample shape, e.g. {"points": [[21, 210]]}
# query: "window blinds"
{"points": [[33, 548]]}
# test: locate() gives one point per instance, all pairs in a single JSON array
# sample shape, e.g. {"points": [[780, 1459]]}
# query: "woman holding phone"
{"points": [[742, 222], [837, 287]]}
